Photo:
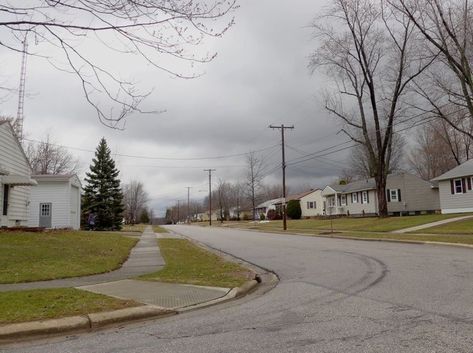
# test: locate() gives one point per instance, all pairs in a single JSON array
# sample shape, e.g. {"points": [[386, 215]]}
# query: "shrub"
{"points": [[294, 209], [262, 216], [274, 215]]}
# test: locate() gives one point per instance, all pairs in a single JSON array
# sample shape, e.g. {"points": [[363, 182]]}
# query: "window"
{"points": [[331, 201], [6, 192], [354, 197], [458, 186], [311, 204], [364, 197], [344, 200], [394, 196], [45, 210]]}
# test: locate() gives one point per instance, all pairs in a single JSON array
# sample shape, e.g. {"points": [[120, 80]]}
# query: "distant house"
{"points": [[312, 203], [405, 193], [55, 202], [263, 208], [456, 194], [15, 179]]}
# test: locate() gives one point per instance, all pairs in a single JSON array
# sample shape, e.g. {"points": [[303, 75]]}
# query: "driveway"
{"points": [[334, 296]]}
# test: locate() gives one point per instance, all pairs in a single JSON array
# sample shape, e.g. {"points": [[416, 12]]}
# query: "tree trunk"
{"points": [[381, 179]]}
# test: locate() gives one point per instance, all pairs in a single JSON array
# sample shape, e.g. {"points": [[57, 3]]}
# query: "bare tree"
{"points": [[447, 87], [269, 192], [46, 157], [360, 162], [154, 30], [254, 177], [370, 51], [224, 199], [135, 199], [439, 148]]}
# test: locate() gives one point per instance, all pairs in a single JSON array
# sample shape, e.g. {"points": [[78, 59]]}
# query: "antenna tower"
{"points": [[21, 92]]}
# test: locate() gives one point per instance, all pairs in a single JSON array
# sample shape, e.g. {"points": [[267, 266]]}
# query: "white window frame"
{"points": [[354, 197], [394, 195], [364, 197], [343, 200], [455, 186], [332, 201]]}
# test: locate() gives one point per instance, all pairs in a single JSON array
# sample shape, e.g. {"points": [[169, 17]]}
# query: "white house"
{"points": [[15, 179], [55, 202], [263, 208], [312, 203], [456, 194], [405, 193]]}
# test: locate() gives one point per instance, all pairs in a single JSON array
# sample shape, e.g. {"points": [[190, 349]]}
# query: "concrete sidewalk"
{"points": [[144, 258], [165, 295], [430, 225]]}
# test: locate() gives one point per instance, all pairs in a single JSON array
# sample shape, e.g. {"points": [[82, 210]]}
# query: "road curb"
{"points": [[80, 323], [129, 314], [405, 241], [44, 327]]}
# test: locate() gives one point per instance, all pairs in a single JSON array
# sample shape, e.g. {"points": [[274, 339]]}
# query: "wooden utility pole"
{"points": [[188, 220], [210, 194], [283, 128]]}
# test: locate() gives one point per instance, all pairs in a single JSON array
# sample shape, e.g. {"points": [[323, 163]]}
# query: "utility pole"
{"points": [[283, 128], [210, 194], [178, 211], [188, 203]]}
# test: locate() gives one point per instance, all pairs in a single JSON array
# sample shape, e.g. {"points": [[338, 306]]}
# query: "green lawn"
{"points": [[158, 229], [26, 257], [456, 239], [139, 228], [371, 224], [42, 304], [459, 227], [188, 263]]}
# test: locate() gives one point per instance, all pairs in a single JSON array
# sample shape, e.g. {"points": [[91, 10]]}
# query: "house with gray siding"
{"points": [[455, 188], [406, 194], [15, 179]]}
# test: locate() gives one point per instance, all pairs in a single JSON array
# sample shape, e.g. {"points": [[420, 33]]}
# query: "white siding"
{"points": [[456, 203], [75, 207], [13, 160], [316, 197], [57, 193]]}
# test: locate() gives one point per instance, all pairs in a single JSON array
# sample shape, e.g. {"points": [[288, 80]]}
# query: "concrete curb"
{"points": [[80, 323], [233, 293]]}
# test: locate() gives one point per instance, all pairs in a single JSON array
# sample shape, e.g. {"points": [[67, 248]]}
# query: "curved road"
{"points": [[334, 296]]}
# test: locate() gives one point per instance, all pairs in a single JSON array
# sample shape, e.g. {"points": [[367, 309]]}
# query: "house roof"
{"points": [[57, 178], [269, 203], [360, 185], [464, 169]]}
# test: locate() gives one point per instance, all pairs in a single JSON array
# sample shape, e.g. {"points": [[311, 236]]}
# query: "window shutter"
{"points": [[399, 195], [469, 183], [368, 197], [463, 185], [389, 195], [452, 186]]}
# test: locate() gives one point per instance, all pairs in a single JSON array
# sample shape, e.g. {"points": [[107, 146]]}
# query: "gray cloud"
{"points": [[259, 77]]}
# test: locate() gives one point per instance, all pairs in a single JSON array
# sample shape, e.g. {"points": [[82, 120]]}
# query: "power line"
{"points": [[159, 158]]}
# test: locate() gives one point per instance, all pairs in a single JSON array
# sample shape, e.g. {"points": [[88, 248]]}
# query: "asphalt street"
{"points": [[333, 296]]}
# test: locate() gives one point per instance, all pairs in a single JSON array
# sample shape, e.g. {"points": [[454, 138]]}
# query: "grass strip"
{"points": [[464, 227], [42, 304], [372, 224], [26, 257], [158, 229], [190, 264]]}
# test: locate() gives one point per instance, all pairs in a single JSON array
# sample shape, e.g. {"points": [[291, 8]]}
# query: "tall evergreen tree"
{"points": [[103, 198]]}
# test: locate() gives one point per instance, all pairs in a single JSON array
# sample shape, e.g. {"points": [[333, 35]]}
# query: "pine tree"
{"points": [[103, 196]]}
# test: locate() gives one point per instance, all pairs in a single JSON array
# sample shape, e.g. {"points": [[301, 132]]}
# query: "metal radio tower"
{"points": [[21, 92]]}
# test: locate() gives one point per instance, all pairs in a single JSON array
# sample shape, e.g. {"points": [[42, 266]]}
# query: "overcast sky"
{"points": [[259, 77]]}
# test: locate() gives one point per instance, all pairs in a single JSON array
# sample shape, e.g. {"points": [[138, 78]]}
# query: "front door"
{"points": [[45, 215]]}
